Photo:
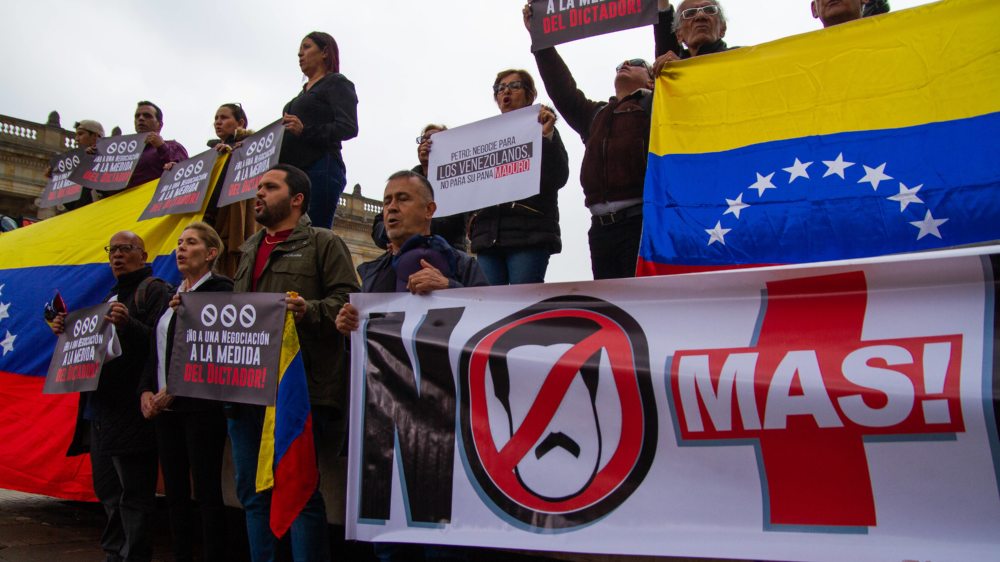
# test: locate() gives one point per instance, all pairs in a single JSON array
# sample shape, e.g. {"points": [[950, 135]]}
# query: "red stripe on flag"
{"points": [[295, 479], [645, 268], [35, 431]]}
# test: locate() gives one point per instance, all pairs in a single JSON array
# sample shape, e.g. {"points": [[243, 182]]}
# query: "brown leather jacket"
{"points": [[615, 132]]}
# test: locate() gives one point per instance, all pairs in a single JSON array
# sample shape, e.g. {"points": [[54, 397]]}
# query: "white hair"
{"points": [[676, 24]]}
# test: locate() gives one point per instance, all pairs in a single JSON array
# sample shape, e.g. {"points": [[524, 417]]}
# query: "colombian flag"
{"points": [[287, 458], [65, 254], [875, 137]]}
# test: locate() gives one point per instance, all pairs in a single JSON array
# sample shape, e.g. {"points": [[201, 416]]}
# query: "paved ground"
{"points": [[42, 529]]}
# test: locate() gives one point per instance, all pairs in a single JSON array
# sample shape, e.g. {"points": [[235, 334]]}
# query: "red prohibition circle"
{"points": [[499, 463]]}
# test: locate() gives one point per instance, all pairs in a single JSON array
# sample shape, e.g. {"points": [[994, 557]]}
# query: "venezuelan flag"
{"points": [[287, 459], [65, 254], [869, 138]]}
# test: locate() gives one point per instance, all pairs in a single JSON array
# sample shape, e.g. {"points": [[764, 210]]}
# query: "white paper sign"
{"points": [[840, 411], [493, 161]]}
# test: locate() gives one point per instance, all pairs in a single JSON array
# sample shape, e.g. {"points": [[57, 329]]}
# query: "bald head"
{"points": [[126, 253]]}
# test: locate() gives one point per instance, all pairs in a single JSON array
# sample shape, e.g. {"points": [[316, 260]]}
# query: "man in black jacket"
{"points": [[122, 444]]}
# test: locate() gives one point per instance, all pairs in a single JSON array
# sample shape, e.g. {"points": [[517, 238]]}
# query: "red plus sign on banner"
{"points": [[812, 390]]}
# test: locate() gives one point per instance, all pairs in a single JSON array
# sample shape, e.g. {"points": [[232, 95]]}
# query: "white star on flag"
{"points": [[2, 285], [8, 343], [906, 196], [837, 166], [798, 170], [875, 176], [735, 206], [717, 234], [763, 183], [3, 310], [929, 226]]}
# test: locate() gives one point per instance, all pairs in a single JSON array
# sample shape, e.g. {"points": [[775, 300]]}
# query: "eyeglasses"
{"points": [[123, 248], [515, 85], [692, 13], [632, 63]]}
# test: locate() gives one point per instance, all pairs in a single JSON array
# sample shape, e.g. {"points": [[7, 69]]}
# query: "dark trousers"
{"points": [[614, 248], [309, 532], [126, 487], [191, 446]]}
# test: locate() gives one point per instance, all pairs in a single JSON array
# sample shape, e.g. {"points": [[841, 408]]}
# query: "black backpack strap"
{"points": [[142, 291]]}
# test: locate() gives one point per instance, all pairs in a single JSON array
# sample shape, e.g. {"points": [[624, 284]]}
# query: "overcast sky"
{"points": [[412, 61]]}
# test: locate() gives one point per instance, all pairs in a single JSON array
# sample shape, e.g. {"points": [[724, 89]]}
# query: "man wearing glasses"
{"points": [[121, 442], [616, 138]]}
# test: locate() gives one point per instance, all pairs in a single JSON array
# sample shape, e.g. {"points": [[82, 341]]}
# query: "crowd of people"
{"points": [[281, 242]]}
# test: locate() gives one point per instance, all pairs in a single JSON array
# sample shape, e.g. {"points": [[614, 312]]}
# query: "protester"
{"points": [[452, 228], [834, 12], [234, 222], [121, 442], [88, 132], [513, 241], [419, 263], [697, 28], [291, 255], [190, 433], [158, 152], [318, 121], [616, 138]]}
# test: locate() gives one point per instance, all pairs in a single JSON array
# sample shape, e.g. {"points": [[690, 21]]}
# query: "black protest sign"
{"points": [[60, 189], [258, 153], [227, 346], [182, 188], [560, 21], [112, 167], [81, 351]]}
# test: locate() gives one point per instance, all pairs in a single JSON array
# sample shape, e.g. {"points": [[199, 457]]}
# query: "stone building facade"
{"points": [[25, 151]]}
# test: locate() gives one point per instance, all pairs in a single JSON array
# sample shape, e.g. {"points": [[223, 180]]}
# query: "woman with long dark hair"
{"points": [[317, 122]]}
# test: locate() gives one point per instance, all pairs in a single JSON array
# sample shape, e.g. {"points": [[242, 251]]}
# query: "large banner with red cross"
{"points": [[825, 412]]}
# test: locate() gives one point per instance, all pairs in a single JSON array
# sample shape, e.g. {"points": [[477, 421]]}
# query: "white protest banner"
{"points": [[839, 411], [493, 161]]}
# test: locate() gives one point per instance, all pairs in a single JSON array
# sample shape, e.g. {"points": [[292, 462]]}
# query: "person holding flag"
{"points": [[312, 265]]}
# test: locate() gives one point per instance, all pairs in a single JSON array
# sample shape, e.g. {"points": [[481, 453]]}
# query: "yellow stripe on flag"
{"points": [[78, 237], [938, 62], [265, 458]]}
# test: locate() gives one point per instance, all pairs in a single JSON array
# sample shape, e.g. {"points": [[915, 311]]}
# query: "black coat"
{"points": [[531, 222], [214, 284], [114, 406], [329, 114]]}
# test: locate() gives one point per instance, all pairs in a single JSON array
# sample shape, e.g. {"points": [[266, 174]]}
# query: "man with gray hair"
{"points": [[697, 29]]}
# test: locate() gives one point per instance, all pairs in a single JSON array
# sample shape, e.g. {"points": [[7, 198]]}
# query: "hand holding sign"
{"points": [[226, 346], [86, 341], [496, 160]]}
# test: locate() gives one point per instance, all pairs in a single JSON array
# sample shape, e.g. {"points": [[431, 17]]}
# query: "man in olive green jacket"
{"points": [[290, 255]]}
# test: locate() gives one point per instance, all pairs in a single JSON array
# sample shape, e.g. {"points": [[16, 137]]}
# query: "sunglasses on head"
{"points": [[632, 63]]}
